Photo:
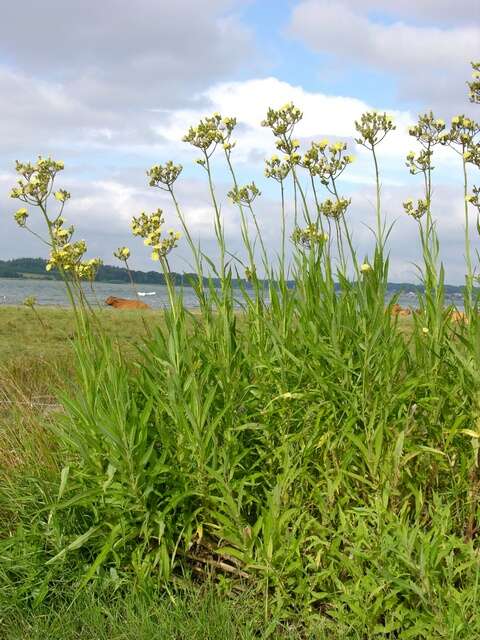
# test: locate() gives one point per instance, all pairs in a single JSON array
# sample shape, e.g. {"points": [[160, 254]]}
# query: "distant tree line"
{"points": [[35, 267]]}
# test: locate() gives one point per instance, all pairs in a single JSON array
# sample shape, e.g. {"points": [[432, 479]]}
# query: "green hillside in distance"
{"points": [[35, 268]]}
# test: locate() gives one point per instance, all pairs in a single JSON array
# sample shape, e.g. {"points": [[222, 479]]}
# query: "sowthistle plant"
{"points": [[35, 187], [429, 132], [31, 303], [462, 138], [301, 447]]}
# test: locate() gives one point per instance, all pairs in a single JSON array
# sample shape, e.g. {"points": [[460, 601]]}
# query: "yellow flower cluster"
{"points": [[163, 176], [282, 121], [226, 127], [474, 85], [462, 131], [429, 130], [327, 161], [60, 234], [474, 198], [206, 133], [419, 163], [122, 253], [21, 217], [416, 212], [68, 258], [34, 187], [67, 255], [309, 236], [472, 154], [290, 148], [334, 208], [30, 301], [276, 169], [61, 195], [88, 270], [210, 132], [149, 227], [244, 195], [36, 179], [373, 127]]}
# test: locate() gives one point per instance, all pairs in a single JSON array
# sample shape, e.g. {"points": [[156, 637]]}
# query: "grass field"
{"points": [[36, 366], [37, 357]]}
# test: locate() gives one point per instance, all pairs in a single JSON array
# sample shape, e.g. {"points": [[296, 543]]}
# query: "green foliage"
{"points": [[306, 450]]}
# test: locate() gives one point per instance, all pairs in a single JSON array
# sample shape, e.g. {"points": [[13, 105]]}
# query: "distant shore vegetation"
{"points": [[34, 268]]}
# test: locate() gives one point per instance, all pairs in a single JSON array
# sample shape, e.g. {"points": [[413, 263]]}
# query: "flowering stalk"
{"points": [[461, 139], [327, 162], [373, 127], [31, 303], [35, 187], [206, 136], [429, 132]]}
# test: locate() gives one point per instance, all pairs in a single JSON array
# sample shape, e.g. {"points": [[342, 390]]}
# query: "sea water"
{"points": [[13, 291]]}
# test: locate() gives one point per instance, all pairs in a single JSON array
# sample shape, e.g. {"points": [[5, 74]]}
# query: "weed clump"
{"points": [[304, 449]]}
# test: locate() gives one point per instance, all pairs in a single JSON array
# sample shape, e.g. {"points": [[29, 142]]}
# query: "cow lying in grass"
{"points": [[124, 303]]}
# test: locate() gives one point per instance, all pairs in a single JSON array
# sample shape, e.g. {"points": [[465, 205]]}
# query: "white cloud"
{"points": [[323, 116], [429, 62], [433, 11], [117, 54]]}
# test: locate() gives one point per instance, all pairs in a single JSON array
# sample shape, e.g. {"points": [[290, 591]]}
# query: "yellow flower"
{"points": [[425, 331], [21, 217], [122, 253], [365, 267]]}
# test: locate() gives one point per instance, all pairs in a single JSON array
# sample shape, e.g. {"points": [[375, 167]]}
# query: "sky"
{"points": [[111, 87]]}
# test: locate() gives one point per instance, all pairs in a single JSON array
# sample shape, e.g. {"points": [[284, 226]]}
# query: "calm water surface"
{"points": [[52, 293]]}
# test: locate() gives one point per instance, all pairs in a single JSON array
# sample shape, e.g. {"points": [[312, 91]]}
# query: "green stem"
{"points": [[218, 223], [378, 202], [468, 256], [195, 250]]}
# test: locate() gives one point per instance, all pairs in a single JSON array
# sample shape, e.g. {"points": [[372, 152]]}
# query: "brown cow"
{"points": [[459, 316], [397, 310], [124, 303]]}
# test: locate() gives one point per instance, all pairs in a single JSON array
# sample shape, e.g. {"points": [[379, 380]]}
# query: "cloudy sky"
{"points": [[111, 87]]}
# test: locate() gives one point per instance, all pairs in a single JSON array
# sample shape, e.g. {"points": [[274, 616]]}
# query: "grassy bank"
{"points": [[37, 367], [23, 336]]}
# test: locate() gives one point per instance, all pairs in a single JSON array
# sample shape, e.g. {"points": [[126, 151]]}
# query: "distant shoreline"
{"points": [[34, 269]]}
